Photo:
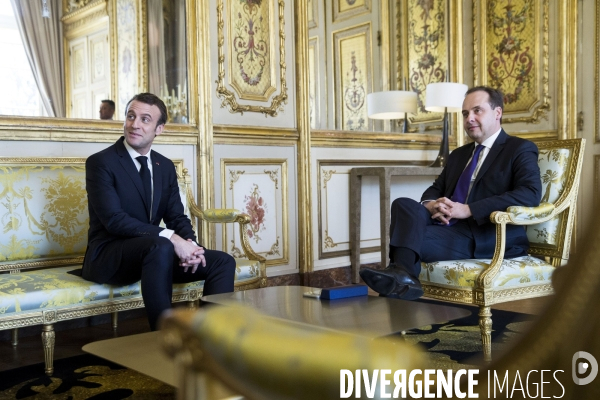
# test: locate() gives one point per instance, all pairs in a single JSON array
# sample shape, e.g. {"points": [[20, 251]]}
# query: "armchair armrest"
{"points": [[528, 215], [224, 215], [228, 215], [514, 215]]}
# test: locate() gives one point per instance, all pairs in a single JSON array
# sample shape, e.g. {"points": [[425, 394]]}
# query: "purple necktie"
{"points": [[464, 181]]}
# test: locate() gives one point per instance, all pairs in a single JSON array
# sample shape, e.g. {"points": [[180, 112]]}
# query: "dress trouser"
{"points": [[411, 227], [153, 261]]}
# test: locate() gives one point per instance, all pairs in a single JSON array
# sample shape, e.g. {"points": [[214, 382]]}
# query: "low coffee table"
{"points": [[366, 315]]}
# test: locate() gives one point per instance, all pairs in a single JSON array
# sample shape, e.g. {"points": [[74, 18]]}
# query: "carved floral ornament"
{"points": [[250, 56]]}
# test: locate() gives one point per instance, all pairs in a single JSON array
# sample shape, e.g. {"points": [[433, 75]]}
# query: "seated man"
{"points": [[107, 109], [452, 220], [131, 188]]}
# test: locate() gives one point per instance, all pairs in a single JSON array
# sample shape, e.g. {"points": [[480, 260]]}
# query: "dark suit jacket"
{"points": [[118, 211], [509, 176]]}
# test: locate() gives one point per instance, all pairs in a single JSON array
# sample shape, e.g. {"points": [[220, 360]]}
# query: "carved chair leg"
{"points": [[485, 325], [192, 304], [48, 337], [115, 320], [15, 337]]}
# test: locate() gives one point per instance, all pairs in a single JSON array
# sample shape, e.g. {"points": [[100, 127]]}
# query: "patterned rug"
{"points": [[451, 345], [81, 377], [457, 344]]}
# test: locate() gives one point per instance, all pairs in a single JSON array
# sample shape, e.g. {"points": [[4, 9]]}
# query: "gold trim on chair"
{"points": [[498, 280]]}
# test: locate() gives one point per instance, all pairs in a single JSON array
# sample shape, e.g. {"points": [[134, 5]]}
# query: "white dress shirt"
{"points": [[167, 233]]}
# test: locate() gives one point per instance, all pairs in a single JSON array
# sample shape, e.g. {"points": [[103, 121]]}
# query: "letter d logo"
{"points": [[580, 367]]}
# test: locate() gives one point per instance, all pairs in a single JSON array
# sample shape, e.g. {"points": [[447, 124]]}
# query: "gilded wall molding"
{"points": [[330, 244], [597, 78], [596, 179], [86, 21], [313, 14], [245, 186], [74, 8], [352, 70], [344, 9], [429, 49], [228, 98], [354, 139], [511, 51]]}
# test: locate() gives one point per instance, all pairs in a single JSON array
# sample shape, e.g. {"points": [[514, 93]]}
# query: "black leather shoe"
{"points": [[393, 282]]}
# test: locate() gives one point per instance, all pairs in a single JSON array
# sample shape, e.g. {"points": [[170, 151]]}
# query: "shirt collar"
{"points": [[489, 142], [133, 153]]}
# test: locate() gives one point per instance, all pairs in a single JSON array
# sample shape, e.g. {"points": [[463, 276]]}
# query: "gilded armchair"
{"points": [[549, 230]]}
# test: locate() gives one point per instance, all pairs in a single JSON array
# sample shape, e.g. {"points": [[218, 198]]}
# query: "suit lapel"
{"points": [[156, 181], [129, 167], [496, 149]]}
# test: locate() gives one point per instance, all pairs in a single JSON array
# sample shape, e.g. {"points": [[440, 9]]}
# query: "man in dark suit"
{"points": [[131, 188], [452, 220]]}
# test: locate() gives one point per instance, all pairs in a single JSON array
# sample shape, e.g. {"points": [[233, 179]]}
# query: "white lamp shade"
{"points": [[392, 104], [440, 96]]}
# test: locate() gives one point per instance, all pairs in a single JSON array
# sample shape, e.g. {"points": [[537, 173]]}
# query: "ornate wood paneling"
{"points": [[352, 65], [258, 187], [249, 53], [344, 9], [512, 53]]}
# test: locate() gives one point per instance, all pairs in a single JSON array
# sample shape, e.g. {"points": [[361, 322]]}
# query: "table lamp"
{"points": [[444, 97], [392, 104]]}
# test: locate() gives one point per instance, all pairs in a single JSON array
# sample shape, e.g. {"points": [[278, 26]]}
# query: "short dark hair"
{"points": [[109, 102], [496, 96], [153, 100]]}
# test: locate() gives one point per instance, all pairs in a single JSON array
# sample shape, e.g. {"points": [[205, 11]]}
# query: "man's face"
{"points": [[479, 119], [140, 127], [106, 111]]}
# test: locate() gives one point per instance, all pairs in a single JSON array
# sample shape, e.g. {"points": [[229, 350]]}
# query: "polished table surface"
{"points": [[366, 315]]}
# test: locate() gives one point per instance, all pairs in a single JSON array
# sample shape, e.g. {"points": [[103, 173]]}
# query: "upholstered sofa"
{"points": [[44, 224]]}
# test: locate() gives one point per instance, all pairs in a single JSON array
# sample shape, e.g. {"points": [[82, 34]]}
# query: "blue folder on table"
{"points": [[342, 292]]}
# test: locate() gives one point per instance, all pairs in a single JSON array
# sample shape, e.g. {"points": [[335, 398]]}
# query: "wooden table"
{"points": [[369, 316], [385, 176]]}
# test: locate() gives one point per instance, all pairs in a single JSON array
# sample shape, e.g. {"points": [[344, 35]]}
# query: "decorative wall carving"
{"points": [[513, 55], [343, 9], [423, 51], [353, 77], [258, 187], [127, 52], [251, 57]]}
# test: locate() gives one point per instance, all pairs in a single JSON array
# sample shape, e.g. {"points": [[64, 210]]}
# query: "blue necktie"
{"points": [[146, 180], [464, 181]]}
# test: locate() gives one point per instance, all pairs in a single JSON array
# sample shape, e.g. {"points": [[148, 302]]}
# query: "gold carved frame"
{"points": [[427, 50], [228, 98], [483, 40], [282, 164]]}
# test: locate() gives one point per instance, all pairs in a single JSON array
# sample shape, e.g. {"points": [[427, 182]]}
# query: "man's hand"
{"points": [[190, 254], [444, 209]]}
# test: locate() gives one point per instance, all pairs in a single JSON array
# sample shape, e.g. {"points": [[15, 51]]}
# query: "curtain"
{"points": [[42, 39], [157, 83]]}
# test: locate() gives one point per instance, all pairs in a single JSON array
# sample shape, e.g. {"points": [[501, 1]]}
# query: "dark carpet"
{"points": [[457, 344], [450, 345], [81, 377]]}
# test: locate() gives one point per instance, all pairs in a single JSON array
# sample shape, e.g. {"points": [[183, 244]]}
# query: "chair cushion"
{"points": [[515, 272], [54, 288]]}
